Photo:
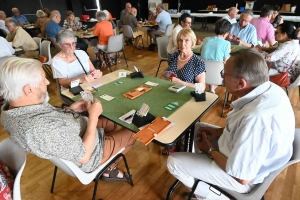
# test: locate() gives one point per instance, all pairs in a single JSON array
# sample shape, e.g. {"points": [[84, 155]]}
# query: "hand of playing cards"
{"points": [[96, 73], [87, 96], [169, 74]]}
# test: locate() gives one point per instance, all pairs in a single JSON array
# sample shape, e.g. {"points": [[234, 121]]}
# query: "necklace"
{"points": [[185, 59]]}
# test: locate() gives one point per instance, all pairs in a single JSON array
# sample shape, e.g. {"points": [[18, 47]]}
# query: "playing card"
{"points": [[106, 97], [94, 72], [169, 74], [151, 83], [87, 96]]}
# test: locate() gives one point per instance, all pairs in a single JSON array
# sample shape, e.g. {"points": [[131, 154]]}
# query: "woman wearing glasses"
{"points": [[71, 64]]}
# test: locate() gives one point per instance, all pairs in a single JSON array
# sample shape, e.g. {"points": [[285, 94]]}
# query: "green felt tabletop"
{"points": [[157, 98], [236, 48]]}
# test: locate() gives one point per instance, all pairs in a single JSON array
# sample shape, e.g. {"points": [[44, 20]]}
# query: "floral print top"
{"points": [[287, 54]]}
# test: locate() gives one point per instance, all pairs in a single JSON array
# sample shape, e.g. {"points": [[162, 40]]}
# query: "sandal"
{"points": [[168, 152], [113, 175]]}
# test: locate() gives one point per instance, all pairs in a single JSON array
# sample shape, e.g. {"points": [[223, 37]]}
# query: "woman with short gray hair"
{"points": [[71, 64], [41, 23], [103, 30]]}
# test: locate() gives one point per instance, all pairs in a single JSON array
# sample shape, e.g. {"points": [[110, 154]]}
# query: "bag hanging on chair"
{"points": [[282, 79]]}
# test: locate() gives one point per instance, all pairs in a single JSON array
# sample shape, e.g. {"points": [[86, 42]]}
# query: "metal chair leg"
{"points": [[158, 68], [193, 188], [172, 188], [125, 58], [287, 91], [128, 171], [53, 179], [224, 103]]}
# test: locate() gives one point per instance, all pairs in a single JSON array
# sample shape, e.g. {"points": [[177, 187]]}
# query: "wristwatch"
{"points": [[209, 152]]}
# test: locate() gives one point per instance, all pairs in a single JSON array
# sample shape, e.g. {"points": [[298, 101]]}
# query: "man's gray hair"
{"points": [[100, 15], [160, 6], [40, 13], [248, 12], [11, 21], [250, 65], [15, 73], [63, 35], [1, 13], [54, 13]]}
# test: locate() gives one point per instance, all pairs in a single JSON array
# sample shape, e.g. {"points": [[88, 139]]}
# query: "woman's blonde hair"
{"points": [[187, 32]]}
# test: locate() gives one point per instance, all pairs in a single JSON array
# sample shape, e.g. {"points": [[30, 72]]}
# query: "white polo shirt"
{"points": [[259, 133], [232, 21]]}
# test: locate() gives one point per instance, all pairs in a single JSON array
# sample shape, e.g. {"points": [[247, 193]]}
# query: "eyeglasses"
{"points": [[68, 111], [69, 44], [223, 74]]}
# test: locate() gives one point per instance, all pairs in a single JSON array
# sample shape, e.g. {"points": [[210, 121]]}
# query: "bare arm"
{"points": [[94, 110], [199, 79]]}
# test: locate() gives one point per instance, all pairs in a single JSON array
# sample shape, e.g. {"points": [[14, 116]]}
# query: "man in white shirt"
{"points": [[163, 19], [6, 50], [256, 140], [185, 21], [231, 16], [2, 21]]}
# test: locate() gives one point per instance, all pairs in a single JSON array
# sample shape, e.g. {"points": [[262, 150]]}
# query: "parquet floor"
{"points": [[148, 166]]}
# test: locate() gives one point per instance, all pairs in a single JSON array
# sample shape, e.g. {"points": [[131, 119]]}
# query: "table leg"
{"points": [[204, 24], [172, 188]]}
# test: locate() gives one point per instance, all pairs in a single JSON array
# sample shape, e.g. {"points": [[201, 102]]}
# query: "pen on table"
{"points": [[95, 88], [129, 117]]}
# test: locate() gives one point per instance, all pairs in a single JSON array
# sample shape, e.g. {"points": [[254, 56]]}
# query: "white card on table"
{"points": [[106, 97], [151, 83], [122, 74], [74, 83]]}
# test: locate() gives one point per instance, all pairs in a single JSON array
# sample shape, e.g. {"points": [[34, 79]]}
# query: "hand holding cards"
{"points": [[169, 74], [96, 73], [87, 96]]}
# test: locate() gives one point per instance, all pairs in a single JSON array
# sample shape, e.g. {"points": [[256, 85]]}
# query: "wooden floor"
{"points": [[148, 166]]}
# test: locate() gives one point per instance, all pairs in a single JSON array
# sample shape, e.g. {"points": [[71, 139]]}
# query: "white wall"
{"points": [[156, 1]]}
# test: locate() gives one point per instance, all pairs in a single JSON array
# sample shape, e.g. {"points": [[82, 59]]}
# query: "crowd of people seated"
{"points": [[257, 124]]}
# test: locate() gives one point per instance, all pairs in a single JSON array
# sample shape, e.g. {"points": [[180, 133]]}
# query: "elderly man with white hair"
{"points": [[231, 16], [50, 132], [21, 39], [20, 19]]}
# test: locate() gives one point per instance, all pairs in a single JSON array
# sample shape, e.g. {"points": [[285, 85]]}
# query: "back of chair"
{"points": [[127, 31], [213, 69], [45, 50], [169, 29], [3, 33], [38, 42], [162, 43], [295, 83], [15, 158], [115, 43]]}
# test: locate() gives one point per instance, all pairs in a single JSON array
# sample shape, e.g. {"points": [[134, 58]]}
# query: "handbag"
{"points": [[43, 59], [282, 79]]}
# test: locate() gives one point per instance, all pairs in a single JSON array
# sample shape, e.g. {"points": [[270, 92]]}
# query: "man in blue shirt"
{"points": [[163, 19], [20, 19], [52, 28], [243, 33]]}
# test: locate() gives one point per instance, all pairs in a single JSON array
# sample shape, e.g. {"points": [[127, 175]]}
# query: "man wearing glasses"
{"points": [[21, 39], [125, 12], [185, 22], [53, 27], [256, 140], [48, 132]]}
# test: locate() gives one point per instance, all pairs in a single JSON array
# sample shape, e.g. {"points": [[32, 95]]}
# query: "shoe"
{"points": [[212, 91], [113, 175], [167, 152], [186, 195]]}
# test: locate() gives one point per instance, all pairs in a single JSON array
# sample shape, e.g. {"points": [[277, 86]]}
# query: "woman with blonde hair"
{"points": [[71, 23]]}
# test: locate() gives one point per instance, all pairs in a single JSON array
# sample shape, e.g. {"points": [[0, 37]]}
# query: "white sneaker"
{"points": [[212, 91]]}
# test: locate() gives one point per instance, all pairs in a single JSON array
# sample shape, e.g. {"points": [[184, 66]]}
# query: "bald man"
{"points": [[130, 19], [231, 16], [2, 21], [20, 19], [52, 26], [125, 12]]}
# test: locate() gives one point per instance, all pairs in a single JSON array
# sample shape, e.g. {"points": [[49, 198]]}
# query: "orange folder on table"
{"points": [[157, 126]]}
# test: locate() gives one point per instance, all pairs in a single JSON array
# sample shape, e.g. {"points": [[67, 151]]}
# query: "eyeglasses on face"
{"points": [[73, 44], [223, 74]]}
